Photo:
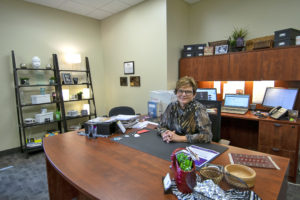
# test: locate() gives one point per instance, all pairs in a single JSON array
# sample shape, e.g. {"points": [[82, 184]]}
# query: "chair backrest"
{"points": [[215, 117], [123, 110]]}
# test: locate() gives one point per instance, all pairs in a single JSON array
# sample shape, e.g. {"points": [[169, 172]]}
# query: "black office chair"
{"points": [[215, 117], [121, 110]]}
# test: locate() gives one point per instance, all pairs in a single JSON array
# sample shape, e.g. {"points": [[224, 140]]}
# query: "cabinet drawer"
{"points": [[277, 135], [284, 153]]}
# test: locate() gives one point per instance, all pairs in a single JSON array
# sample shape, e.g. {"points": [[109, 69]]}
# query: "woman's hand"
{"points": [[169, 136]]}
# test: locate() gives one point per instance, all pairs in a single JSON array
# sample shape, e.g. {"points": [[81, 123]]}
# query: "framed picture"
{"points": [[123, 81], [221, 49], [135, 81], [67, 78], [129, 67]]}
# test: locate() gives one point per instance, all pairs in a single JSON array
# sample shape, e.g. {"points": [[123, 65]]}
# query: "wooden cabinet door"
{"points": [[214, 68], [187, 68], [278, 136], [245, 66], [281, 64]]}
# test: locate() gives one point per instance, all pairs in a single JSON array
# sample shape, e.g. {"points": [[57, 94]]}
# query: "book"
{"points": [[253, 160]]}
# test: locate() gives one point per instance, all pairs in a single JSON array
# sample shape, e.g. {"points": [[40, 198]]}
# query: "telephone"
{"points": [[277, 112]]}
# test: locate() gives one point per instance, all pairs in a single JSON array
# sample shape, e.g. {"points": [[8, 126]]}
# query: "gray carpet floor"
{"points": [[26, 179]]}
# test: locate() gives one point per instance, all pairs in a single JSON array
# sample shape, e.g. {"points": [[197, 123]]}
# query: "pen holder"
{"points": [[185, 180]]}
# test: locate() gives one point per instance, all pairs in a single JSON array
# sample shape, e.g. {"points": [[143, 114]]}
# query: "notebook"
{"points": [[236, 103]]}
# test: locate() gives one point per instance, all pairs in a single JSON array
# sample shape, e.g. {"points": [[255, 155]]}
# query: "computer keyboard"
{"points": [[234, 110]]}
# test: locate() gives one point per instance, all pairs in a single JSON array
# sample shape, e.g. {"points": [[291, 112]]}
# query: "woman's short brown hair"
{"points": [[186, 81]]}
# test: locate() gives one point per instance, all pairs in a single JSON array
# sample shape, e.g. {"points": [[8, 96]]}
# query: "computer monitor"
{"points": [[280, 97], [206, 94]]}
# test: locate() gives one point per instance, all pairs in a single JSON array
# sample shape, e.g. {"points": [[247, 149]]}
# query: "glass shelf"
{"points": [[39, 124], [80, 116], [32, 69], [38, 85], [25, 105], [79, 100], [71, 70]]}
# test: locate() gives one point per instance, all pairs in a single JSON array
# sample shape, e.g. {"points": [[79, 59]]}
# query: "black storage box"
{"points": [[199, 47], [103, 128], [284, 43], [289, 34], [186, 54], [190, 47], [199, 53]]}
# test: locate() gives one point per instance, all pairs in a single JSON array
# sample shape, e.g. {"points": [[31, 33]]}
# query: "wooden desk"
{"points": [[103, 169], [277, 137]]}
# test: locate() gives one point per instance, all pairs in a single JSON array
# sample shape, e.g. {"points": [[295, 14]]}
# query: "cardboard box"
{"points": [[41, 117], [38, 99]]}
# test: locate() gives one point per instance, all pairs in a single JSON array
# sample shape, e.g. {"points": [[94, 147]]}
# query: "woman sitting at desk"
{"points": [[185, 120]]}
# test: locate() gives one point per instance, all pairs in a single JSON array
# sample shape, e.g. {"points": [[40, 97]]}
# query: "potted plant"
{"points": [[24, 81], [79, 95], [184, 170], [237, 38], [52, 80]]}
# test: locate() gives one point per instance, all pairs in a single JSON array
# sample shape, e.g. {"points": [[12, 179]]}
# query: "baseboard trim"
{"points": [[10, 151]]}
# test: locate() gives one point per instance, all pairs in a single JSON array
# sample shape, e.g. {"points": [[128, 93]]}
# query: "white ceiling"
{"points": [[98, 9]]}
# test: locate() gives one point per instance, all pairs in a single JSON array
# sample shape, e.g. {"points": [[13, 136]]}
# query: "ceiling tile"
{"points": [[115, 6], [52, 3], [75, 8], [93, 3], [99, 14], [131, 2]]}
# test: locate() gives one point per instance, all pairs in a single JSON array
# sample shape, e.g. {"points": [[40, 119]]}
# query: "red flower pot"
{"points": [[185, 180]]}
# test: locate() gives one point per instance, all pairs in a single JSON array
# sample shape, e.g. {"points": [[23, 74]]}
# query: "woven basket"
{"points": [[260, 42], [217, 43], [211, 173]]}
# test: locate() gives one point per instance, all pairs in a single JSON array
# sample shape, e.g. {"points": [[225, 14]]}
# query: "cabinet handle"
{"points": [[277, 125], [275, 149]]}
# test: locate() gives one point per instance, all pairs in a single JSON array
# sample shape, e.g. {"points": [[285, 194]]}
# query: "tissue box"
{"points": [[41, 117], [38, 99]]}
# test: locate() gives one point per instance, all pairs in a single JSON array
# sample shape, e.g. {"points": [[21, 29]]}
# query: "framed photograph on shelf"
{"points": [[129, 67], [67, 78], [123, 81], [135, 81], [221, 49]]}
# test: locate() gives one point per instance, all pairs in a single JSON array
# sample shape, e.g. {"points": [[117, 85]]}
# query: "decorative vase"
{"points": [[185, 180], [240, 42], [79, 96]]}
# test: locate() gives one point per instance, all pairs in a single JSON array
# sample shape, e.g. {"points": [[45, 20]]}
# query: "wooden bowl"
{"points": [[243, 172]]}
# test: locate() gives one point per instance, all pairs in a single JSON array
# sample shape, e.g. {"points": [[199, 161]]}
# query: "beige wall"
{"points": [[177, 35], [137, 34], [32, 30], [212, 20]]}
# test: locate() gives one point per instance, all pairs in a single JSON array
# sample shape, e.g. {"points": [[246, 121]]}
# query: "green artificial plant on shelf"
{"points": [[236, 40], [79, 95], [24, 81], [184, 162]]}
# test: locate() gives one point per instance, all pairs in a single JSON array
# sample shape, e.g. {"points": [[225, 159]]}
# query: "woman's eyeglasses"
{"points": [[187, 92]]}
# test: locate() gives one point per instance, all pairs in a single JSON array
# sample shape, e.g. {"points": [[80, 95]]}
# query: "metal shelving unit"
{"points": [[91, 101], [60, 103], [23, 127]]}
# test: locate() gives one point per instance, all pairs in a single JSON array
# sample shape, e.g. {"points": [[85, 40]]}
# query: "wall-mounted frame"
{"points": [[129, 67], [67, 78], [123, 81], [135, 81]]}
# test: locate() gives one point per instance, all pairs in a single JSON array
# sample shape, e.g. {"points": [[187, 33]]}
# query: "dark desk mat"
{"points": [[151, 143]]}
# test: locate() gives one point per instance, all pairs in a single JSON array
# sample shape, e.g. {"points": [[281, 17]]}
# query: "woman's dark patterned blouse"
{"points": [[192, 121]]}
